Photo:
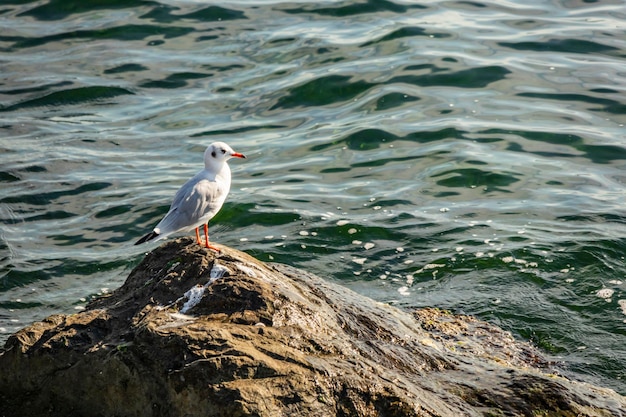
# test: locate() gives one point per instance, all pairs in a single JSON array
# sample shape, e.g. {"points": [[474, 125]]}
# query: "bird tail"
{"points": [[146, 238]]}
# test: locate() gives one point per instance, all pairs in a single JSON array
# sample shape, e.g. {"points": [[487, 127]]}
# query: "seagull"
{"points": [[200, 198]]}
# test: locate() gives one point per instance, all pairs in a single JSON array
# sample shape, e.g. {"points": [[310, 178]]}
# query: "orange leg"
{"points": [[198, 237], [206, 236]]}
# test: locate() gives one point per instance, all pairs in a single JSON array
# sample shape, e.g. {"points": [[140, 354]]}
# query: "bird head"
{"points": [[217, 153]]}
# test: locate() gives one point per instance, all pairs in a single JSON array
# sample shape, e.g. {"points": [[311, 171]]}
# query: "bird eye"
{"points": [[223, 151]]}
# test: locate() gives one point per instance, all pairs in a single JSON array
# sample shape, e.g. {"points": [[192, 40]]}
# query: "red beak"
{"points": [[238, 155]]}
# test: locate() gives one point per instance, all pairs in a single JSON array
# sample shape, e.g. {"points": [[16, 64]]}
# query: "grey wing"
{"points": [[194, 204]]}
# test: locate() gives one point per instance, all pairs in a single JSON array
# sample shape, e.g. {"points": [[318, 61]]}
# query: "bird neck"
{"points": [[214, 166], [221, 170]]}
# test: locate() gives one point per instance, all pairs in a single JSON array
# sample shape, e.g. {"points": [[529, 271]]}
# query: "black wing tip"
{"points": [[146, 238]]}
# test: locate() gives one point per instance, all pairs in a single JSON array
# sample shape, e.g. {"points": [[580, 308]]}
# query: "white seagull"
{"points": [[200, 198]]}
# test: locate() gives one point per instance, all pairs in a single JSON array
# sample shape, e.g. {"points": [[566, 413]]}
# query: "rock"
{"points": [[194, 333]]}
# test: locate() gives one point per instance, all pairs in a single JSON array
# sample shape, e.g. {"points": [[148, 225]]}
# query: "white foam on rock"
{"points": [[195, 293], [246, 270], [217, 272]]}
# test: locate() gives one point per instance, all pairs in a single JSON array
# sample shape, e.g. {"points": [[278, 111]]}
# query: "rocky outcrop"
{"points": [[195, 333]]}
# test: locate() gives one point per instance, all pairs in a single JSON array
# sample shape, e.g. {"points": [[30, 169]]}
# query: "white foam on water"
{"points": [[605, 293]]}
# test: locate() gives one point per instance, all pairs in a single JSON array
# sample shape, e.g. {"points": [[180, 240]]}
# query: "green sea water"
{"points": [[467, 155]]}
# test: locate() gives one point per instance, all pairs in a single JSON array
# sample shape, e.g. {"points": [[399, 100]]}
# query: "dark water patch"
{"points": [[322, 91], [37, 89], [60, 9], [10, 41], [443, 194], [539, 136], [479, 77], [235, 131], [369, 6], [16, 277], [8, 177], [147, 217], [604, 91], [592, 218], [384, 161], [72, 96], [604, 154], [71, 240], [396, 203], [472, 177], [122, 33], [436, 135], [164, 14], [476, 162], [206, 38], [126, 68], [281, 41], [405, 32], [334, 170], [34, 168], [368, 139], [600, 154], [50, 215], [19, 305], [610, 106], [362, 140], [577, 46], [393, 100], [214, 14], [21, 277], [174, 80], [223, 68], [112, 233], [423, 68], [471, 4], [43, 199], [113, 211], [242, 215]]}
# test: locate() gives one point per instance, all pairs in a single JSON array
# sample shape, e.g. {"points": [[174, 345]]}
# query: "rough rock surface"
{"points": [[194, 333]]}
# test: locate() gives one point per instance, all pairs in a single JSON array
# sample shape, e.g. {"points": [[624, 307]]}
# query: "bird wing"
{"points": [[195, 203]]}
